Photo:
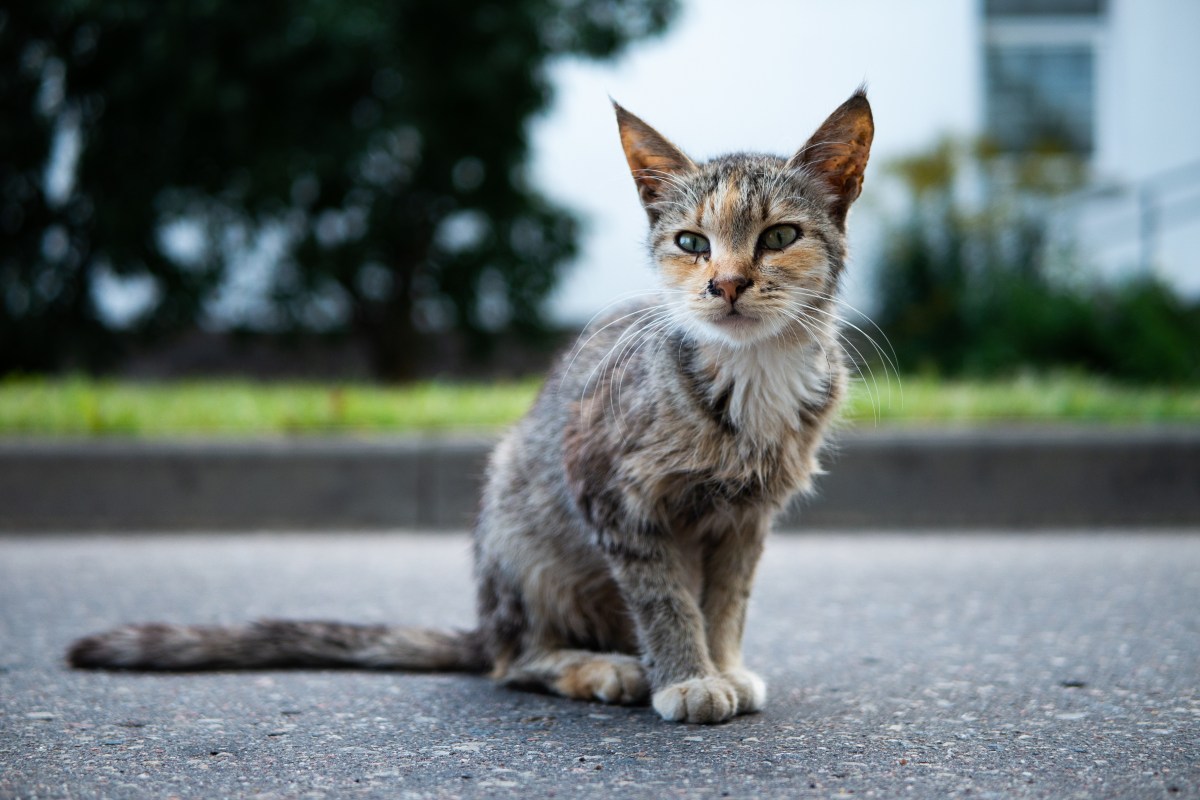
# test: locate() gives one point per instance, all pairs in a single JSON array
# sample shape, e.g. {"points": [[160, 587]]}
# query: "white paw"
{"points": [[703, 700], [751, 690]]}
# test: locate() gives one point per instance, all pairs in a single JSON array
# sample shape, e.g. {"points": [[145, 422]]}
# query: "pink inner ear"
{"points": [[649, 154], [650, 178], [648, 164], [839, 150]]}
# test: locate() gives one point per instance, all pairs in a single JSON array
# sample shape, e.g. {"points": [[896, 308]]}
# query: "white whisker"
{"points": [[860, 362], [888, 361], [579, 348]]}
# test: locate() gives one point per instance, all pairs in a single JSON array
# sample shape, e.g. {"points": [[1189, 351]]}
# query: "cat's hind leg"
{"points": [[582, 675]]}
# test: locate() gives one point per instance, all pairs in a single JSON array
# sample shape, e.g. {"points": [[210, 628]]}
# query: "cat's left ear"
{"points": [[653, 160], [837, 153]]}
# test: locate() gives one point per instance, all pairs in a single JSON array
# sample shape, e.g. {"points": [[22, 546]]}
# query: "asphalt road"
{"points": [[1003, 665]]}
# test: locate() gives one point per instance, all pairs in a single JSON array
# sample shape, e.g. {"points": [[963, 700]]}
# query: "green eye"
{"points": [[692, 242], [779, 237]]}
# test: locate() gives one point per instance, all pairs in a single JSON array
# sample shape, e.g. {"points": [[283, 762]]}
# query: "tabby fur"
{"points": [[624, 516]]}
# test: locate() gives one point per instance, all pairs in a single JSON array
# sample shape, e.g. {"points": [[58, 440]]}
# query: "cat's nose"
{"points": [[729, 287]]}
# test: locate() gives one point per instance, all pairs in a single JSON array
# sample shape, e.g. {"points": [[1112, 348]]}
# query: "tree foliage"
{"points": [[381, 145]]}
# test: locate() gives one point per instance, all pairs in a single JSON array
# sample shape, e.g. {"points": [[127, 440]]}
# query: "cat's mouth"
{"points": [[734, 320]]}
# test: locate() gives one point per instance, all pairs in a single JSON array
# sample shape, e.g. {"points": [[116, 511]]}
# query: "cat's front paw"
{"points": [[702, 700], [751, 690]]}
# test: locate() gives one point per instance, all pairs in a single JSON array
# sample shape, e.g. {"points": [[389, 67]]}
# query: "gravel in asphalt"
{"points": [[1001, 665]]}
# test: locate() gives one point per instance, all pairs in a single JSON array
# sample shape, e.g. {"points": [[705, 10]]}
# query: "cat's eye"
{"points": [[779, 236], [692, 243]]}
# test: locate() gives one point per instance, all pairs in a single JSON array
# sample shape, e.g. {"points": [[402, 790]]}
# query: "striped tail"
{"points": [[279, 643]]}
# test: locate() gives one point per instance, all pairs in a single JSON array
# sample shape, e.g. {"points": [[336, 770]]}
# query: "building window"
{"points": [[1040, 97], [1042, 8], [1039, 72]]}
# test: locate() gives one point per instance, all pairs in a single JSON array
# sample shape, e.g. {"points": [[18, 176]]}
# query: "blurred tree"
{"points": [[382, 143], [982, 286]]}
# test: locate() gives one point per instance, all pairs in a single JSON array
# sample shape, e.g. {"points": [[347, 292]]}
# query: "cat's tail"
{"points": [[279, 643]]}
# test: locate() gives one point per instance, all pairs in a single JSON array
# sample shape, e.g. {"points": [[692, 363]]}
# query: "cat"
{"points": [[623, 518]]}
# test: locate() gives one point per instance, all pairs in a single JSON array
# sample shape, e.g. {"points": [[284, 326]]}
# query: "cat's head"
{"points": [[750, 247]]}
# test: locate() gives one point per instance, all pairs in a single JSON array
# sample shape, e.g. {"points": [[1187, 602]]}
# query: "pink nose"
{"points": [[729, 287]]}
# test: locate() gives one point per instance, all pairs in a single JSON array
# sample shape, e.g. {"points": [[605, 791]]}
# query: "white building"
{"points": [[1117, 80]]}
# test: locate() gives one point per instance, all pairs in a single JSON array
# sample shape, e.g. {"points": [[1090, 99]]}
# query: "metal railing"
{"points": [[1141, 210]]}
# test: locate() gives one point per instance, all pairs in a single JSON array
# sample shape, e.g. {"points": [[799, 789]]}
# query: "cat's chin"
{"points": [[737, 329]]}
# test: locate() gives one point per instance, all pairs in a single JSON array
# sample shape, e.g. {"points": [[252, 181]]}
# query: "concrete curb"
{"points": [[1015, 477]]}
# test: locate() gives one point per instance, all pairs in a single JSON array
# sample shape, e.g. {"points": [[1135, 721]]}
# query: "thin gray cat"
{"points": [[624, 516]]}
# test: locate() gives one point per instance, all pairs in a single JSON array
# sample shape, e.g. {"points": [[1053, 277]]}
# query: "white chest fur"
{"points": [[768, 384]]}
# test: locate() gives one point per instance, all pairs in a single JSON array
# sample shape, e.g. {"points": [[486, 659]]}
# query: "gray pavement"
{"points": [[1003, 664]]}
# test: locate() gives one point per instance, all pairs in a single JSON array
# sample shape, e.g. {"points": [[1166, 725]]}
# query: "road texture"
{"points": [[1004, 665]]}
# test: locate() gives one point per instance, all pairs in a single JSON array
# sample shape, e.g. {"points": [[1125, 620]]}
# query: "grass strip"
{"points": [[1028, 399], [82, 407]]}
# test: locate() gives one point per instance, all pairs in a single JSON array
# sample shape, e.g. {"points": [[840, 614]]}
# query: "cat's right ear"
{"points": [[653, 160]]}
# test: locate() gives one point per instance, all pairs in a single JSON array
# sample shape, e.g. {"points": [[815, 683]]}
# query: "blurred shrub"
{"points": [[991, 287]]}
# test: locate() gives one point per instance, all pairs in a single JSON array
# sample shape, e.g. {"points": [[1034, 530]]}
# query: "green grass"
{"points": [[80, 407], [84, 407], [1028, 400]]}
